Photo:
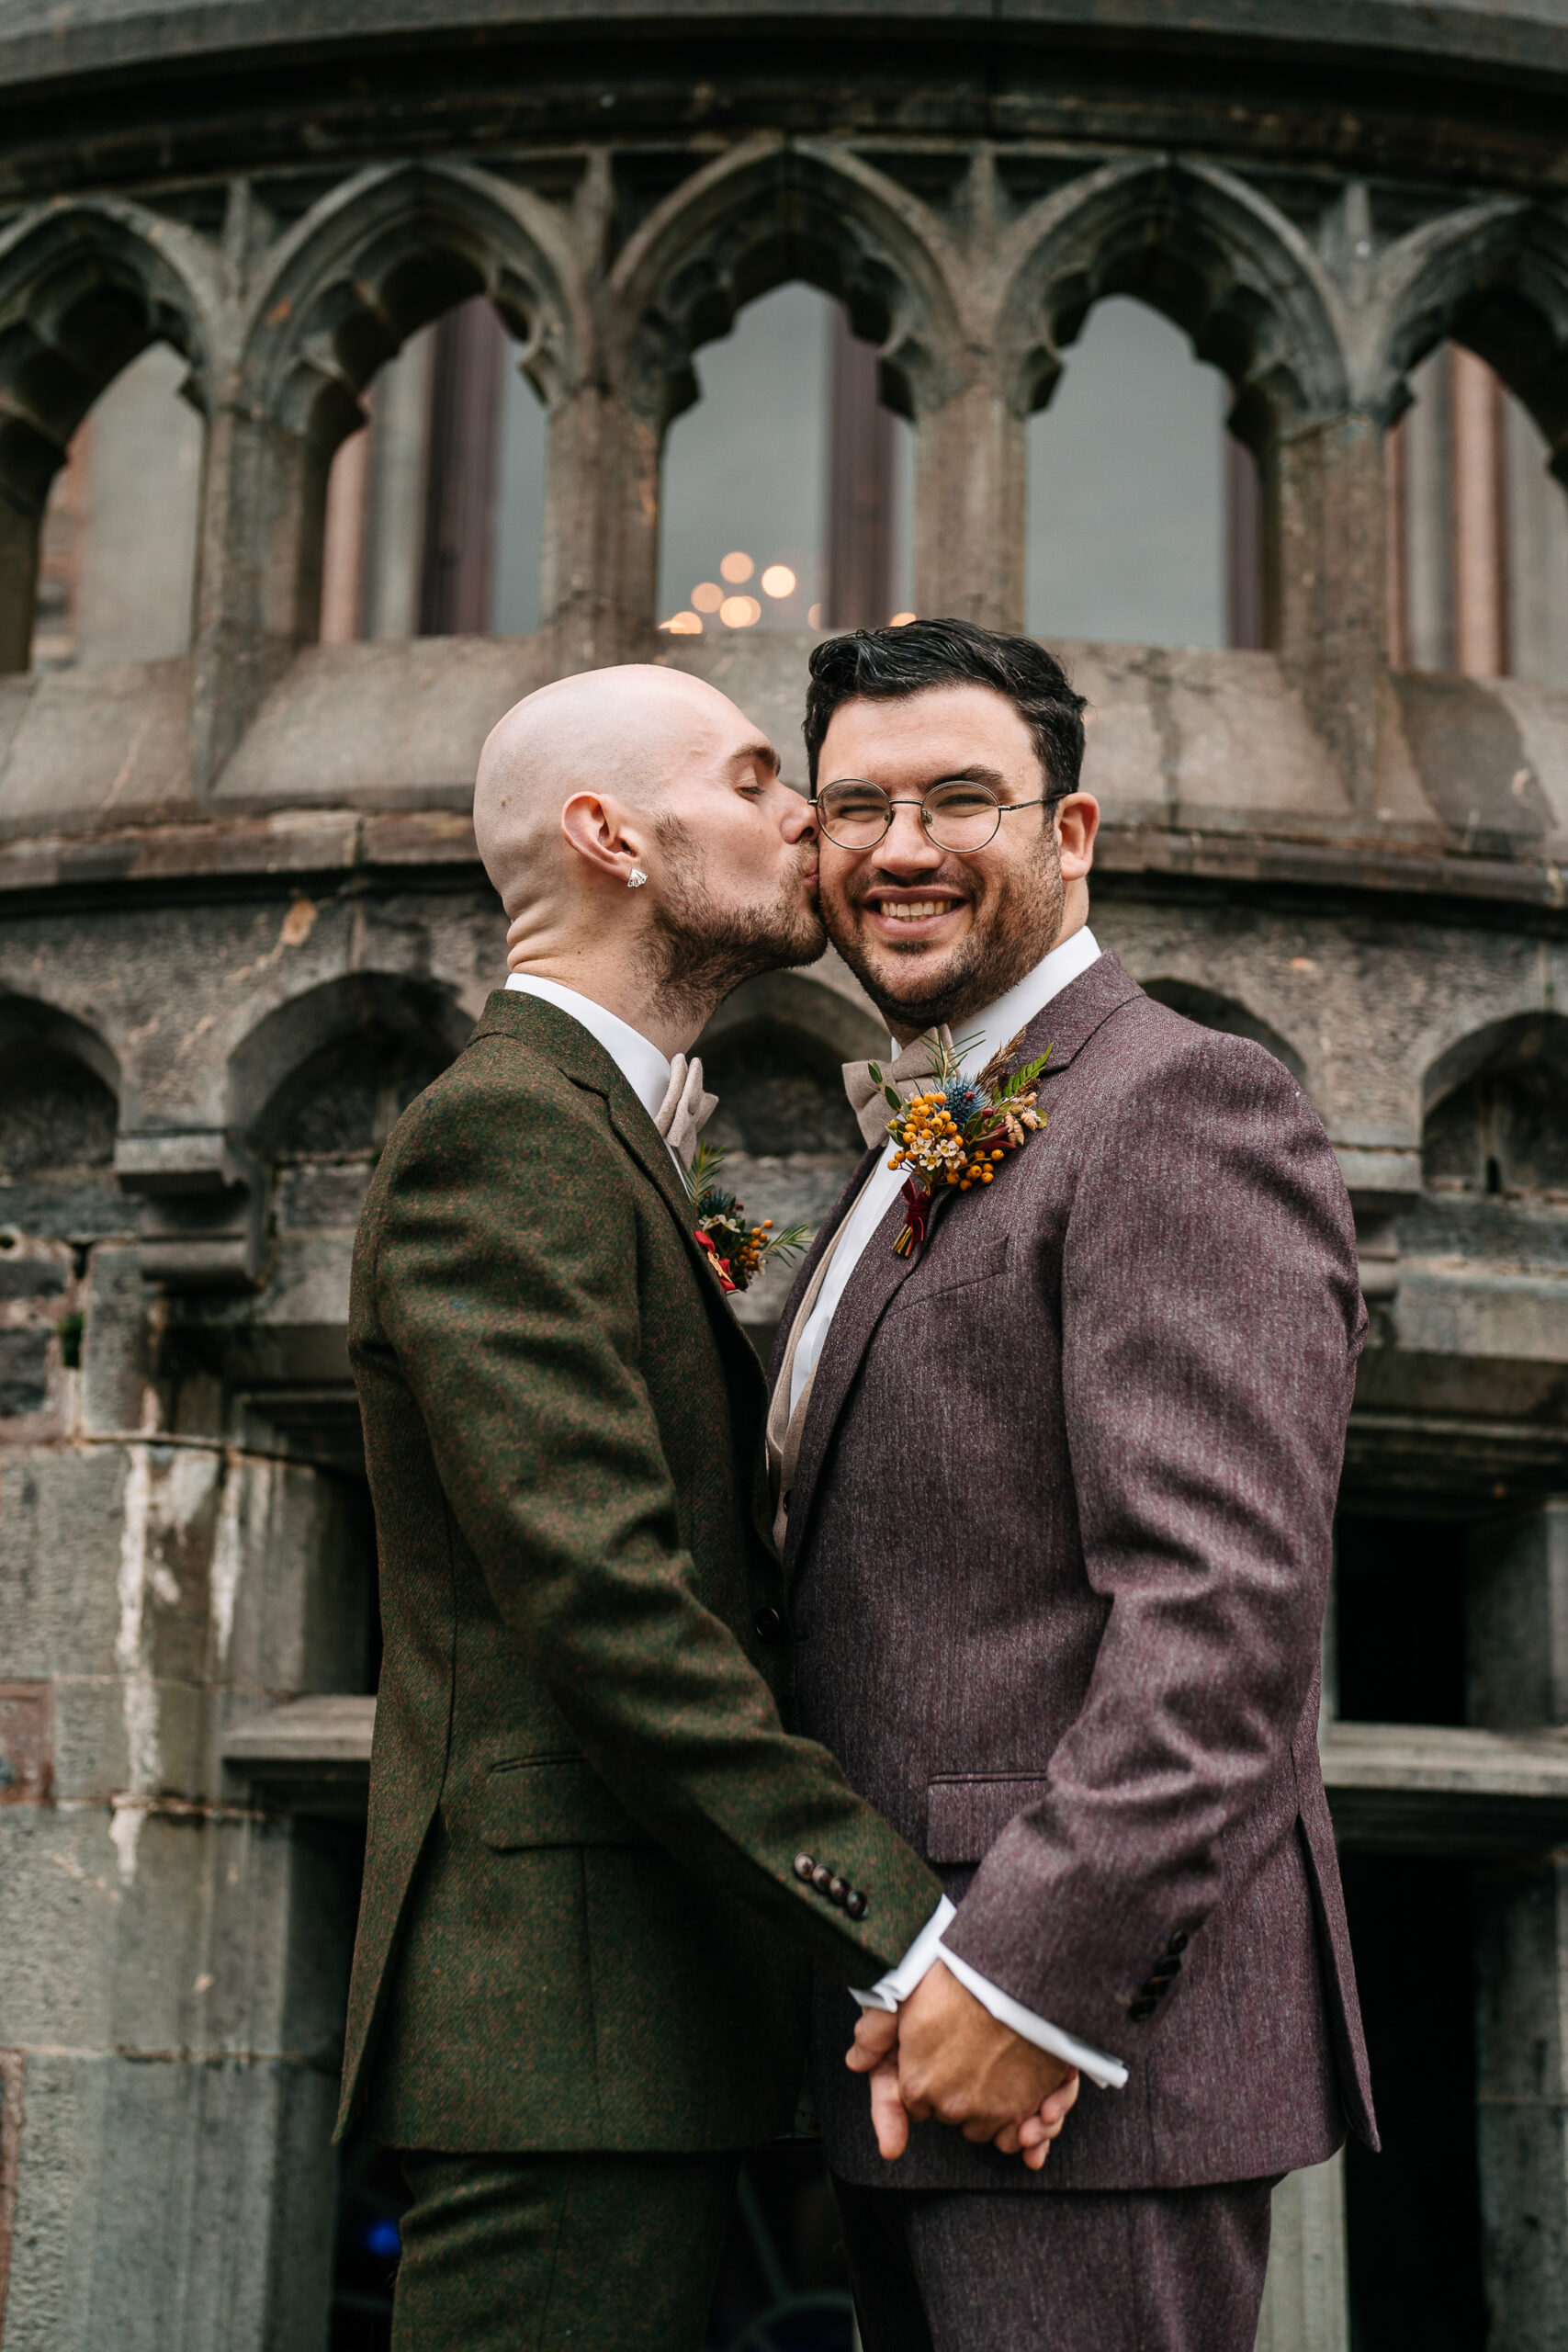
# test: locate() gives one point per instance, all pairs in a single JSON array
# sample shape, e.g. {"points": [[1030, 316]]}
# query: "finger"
{"points": [[888, 2119], [1008, 2140], [1065, 2098], [874, 2037], [1035, 2157]]}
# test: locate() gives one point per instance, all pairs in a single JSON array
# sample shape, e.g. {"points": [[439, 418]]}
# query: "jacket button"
{"points": [[1143, 2006], [788, 1493], [768, 1624], [821, 1878], [1178, 1942], [805, 1864], [837, 1889], [855, 1904]]}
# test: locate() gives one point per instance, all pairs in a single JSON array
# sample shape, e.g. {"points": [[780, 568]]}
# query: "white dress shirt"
{"points": [[994, 1027], [646, 1072], [642, 1066], [991, 1029]]}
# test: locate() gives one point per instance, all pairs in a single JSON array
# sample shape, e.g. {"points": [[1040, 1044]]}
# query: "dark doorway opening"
{"points": [[1400, 1605], [1414, 2212]]}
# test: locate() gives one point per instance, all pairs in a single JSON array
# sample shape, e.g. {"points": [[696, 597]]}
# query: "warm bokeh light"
{"points": [[740, 612], [683, 624], [707, 595], [778, 581], [814, 617], [736, 567], [902, 620]]}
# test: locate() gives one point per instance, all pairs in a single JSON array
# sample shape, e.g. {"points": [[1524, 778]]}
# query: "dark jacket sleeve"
{"points": [[1210, 1319], [505, 1277]]}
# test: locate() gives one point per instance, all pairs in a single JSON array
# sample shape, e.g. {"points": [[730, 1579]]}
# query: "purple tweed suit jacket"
{"points": [[1059, 1550]]}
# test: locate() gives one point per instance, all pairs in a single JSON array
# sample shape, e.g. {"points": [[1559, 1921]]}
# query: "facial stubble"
{"points": [[1006, 940], [698, 954]]}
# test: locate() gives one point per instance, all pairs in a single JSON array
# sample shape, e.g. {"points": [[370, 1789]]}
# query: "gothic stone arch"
{"points": [[85, 287]]}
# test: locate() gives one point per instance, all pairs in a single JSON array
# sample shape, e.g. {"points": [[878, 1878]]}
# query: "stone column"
{"points": [[172, 1973], [970, 458], [1305, 2302], [19, 534], [260, 573], [1328, 590], [1519, 1636], [599, 577]]}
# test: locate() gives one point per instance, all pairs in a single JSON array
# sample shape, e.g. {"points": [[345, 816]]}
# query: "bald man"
{"points": [[599, 1861]]}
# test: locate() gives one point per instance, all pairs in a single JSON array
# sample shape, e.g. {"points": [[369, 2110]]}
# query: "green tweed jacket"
{"points": [[582, 1923]]}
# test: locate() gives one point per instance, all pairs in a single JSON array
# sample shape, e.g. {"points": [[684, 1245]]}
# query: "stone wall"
{"points": [[241, 923]]}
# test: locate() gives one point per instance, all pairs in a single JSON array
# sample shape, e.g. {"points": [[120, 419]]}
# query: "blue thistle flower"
{"points": [[961, 1099]]}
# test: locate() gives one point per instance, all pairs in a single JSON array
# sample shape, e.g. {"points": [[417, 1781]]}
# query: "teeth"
{"points": [[915, 912]]}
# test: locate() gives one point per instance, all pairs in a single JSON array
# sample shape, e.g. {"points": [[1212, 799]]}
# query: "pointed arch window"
{"points": [[1144, 520], [786, 488], [434, 514], [1476, 530], [117, 549]]}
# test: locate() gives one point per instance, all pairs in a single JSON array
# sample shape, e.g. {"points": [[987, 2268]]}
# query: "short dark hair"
{"points": [[887, 664]]}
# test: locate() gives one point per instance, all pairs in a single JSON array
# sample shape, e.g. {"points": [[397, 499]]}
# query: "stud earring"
{"points": [[636, 878]]}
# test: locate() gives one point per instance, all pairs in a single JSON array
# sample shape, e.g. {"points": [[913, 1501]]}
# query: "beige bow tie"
{"points": [[868, 1101], [685, 1110]]}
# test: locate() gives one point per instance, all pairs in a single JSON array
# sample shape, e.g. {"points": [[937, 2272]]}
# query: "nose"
{"points": [[907, 847], [799, 823]]}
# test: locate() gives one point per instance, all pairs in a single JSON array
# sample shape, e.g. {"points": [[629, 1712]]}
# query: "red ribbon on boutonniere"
{"points": [[720, 1265], [721, 1218], [958, 1131], [916, 1215]]}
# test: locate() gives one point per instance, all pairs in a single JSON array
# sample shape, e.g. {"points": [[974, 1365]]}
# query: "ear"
{"points": [[1077, 821], [605, 835]]}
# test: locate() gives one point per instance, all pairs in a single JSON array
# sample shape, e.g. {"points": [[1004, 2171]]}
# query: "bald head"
{"points": [[628, 732]]}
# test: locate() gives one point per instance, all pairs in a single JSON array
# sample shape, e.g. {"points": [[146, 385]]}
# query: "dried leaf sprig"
{"points": [[957, 1132], [737, 1248]]}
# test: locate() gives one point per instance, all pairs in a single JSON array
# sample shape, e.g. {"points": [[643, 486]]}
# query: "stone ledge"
{"points": [[1391, 1787], [1397, 1788], [46, 42], [292, 843]]}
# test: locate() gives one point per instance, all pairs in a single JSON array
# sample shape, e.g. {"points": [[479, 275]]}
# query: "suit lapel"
{"points": [[581, 1058], [867, 1295], [1065, 1024]]}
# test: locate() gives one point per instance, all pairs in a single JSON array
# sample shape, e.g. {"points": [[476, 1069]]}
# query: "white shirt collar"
{"points": [[641, 1064], [996, 1024]]}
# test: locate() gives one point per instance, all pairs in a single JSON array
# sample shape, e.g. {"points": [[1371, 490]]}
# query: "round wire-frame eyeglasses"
{"points": [[958, 813]]}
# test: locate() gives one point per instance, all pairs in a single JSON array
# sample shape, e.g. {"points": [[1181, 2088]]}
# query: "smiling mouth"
{"points": [[907, 915]]}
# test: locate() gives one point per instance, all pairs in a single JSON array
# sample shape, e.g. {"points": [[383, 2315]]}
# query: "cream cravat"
{"points": [[685, 1110]]}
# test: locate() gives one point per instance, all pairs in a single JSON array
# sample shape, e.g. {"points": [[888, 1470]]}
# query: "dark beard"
{"points": [[697, 956], [1024, 924]]}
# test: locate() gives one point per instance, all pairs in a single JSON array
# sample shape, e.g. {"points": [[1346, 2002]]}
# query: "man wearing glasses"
{"points": [[1054, 1491]]}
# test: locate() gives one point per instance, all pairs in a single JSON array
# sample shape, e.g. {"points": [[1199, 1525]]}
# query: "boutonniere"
{"points": [[737, 1251], [957, 1133]]}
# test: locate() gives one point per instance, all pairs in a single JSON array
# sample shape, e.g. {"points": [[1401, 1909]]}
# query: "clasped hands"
{"points": [[942, 2054]]}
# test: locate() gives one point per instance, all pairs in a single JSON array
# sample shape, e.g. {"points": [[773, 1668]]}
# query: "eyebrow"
{"points": [[765, 752], [976, 773]]}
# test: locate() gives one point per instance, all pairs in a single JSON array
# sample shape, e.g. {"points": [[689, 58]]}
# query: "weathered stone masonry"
{"points": [[243, 923]]}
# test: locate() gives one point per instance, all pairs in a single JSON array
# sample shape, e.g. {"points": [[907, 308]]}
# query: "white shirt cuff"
{"points": [[900, 1982], [888, 1991], [1108, 2074]]}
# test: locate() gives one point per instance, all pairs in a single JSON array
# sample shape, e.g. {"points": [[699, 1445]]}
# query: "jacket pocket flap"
{"points": [[965, 1815], [553, 1801], [956, 1268]]}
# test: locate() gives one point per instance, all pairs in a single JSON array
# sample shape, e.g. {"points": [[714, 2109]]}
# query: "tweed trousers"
{"points": [[560, 2253], [1088, 2270]]}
